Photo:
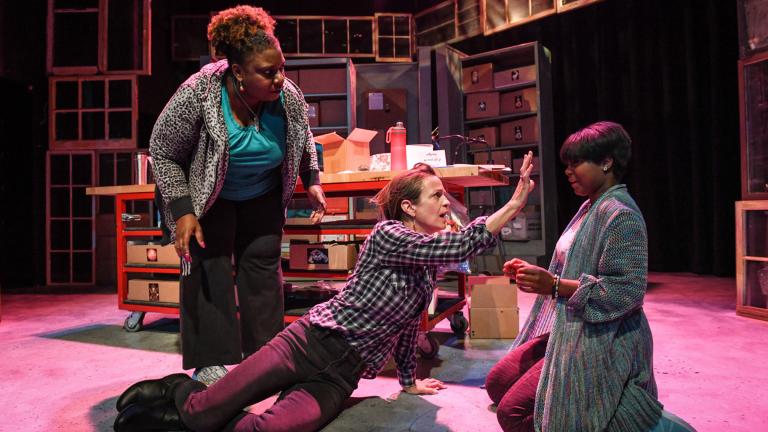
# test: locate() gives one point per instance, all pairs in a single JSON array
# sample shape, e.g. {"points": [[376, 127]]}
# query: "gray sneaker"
{"points": [[209, 374]]}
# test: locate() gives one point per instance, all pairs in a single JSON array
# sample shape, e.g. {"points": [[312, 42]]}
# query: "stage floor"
{"points": [[66, 359]]}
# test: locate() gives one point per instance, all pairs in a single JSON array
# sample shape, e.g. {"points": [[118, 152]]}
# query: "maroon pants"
{"points": [[512, 384], [314, 369]]}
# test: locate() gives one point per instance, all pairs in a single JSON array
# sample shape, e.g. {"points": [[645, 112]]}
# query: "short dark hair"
{"points": [[240, 31], [404, 186], [597, 142]]}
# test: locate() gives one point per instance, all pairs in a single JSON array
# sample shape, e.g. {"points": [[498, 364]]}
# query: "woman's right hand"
{"points": [[525, 185], [186, 227], [512, 266]]}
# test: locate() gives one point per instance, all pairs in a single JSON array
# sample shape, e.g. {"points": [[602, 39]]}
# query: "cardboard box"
{"points": [[317, 81], [490, 134], [488, 280], [313, 114], [514, 76], [498, 157], [478, 77], [523, 131], [348, 154], [322, 256], [494, 295], [334, 112], [524, 100], [365, 209], [482, 105], [152, 254], [494, 323], [151, 290]]}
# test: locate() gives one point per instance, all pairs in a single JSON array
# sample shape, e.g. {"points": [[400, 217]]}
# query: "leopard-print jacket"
{"points": [[190, 147]]}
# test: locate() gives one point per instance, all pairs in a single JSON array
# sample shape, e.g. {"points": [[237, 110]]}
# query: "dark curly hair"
{"points": [[241, 30], [404, 186]]}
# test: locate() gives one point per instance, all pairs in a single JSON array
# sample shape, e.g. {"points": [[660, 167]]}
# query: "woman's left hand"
{"points": [[425, 386], [317, 201], [534, 279]]}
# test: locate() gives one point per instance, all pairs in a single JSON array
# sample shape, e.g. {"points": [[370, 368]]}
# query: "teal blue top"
{"points": [[255, 154]]}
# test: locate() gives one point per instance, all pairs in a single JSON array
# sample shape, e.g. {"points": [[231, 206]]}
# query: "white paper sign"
{"points": [[416, 153]]}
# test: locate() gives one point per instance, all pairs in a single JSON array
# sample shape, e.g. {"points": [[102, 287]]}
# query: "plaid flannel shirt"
{"points": [[380, 308]]}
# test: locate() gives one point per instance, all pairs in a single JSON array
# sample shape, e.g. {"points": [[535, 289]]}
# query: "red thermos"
{"points": [[396, 140]]}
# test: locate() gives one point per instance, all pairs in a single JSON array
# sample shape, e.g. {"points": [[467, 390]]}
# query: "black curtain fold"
{"points": [[667, 72]]}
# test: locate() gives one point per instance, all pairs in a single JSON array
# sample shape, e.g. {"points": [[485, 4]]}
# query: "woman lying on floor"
{"points": [[317, 361]]}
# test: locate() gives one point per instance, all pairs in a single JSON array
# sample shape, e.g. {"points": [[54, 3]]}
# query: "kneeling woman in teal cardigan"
{"points": [[583, 361]]}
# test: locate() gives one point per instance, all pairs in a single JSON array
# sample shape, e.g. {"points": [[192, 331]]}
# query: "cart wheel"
{"points": [[133, 322], [427, 345], [459, 324]]}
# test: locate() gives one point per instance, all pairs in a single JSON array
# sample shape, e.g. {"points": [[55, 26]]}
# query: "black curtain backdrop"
{"points": [[667, 72]]}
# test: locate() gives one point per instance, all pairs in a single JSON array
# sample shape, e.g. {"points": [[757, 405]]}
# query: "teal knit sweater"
{"points": [[598, 366]]}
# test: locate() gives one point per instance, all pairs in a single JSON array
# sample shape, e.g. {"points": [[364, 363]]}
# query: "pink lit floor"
{"points": [[65, 359]]}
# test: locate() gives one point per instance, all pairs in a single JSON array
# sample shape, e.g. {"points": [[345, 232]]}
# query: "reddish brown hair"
{"points": [[241, 30], [405, 186]]}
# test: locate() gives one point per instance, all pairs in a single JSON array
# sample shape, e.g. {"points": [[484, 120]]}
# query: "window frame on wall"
{"points": [[323, 19], [575, 4], [558, 6], [100, 8], [455, 21], [80, 110], [394, 37]]}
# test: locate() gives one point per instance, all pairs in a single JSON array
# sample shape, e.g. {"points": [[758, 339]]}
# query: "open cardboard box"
{"points": [[346, 154]]}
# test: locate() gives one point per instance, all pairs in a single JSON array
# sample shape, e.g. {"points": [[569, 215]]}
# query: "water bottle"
{"points": [[396, 140]]}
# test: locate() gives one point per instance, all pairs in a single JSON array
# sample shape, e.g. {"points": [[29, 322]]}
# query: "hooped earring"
{"points": [[605, 168]]}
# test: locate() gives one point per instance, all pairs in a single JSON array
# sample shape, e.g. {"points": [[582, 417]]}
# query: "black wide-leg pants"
{"points": [[251, 230]]}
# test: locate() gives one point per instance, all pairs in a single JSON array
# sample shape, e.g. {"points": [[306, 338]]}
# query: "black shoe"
{"points": [[158, 416], [150, 391]]}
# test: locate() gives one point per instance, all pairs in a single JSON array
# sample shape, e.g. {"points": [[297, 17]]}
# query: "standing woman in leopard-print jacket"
{"points": [[227, 150]]}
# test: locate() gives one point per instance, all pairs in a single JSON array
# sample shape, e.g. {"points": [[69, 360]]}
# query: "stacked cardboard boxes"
{"points": [[493, 310]]}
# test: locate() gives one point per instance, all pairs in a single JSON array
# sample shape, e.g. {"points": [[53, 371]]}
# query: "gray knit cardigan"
{"points": [[598, 366], [190, 147]]}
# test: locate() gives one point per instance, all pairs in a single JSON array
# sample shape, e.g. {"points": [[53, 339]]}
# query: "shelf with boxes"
{"points": [[508, 103], [329, 88]]}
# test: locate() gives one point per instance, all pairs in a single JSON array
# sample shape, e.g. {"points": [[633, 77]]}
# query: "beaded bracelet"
{"points": [[556, 287]]}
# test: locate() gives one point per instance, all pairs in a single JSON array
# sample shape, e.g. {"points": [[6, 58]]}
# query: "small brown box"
{"points": [[483, 158], [524, 131], [481, 105], [151, 290], [293, 75], [487, 280], [313, 114], [334, 113], [494, 295], [152, 254], [494, 323], [349, 154], [489, 134], [514, 76], [320, 256], [498, 157], [318, 81], [478, 77], [518, 101]]}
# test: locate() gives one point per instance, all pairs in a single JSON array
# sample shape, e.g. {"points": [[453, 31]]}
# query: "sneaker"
{"points": [[209, 374]]}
